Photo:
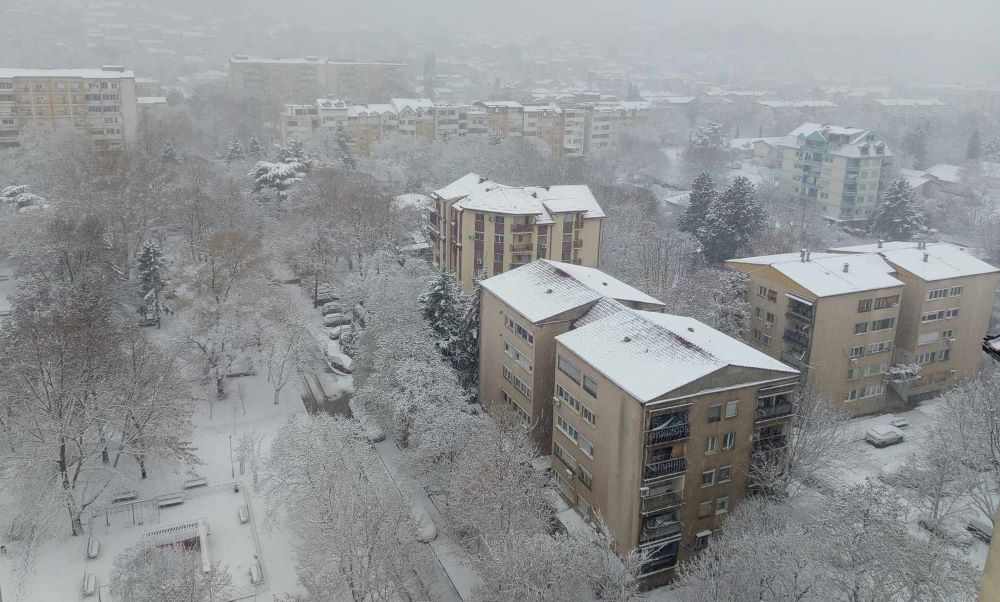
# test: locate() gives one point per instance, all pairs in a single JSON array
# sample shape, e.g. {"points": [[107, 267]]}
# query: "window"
{"points": [[714, 413], [516, 407], [519, 384], [880, 347], [955, 291], [762, 291], [883, 324], [861, 327], [704, 509], [587, 447], [931, 316], [586, 478], [951, 313], [925, 358], [732, 408], [928, 337], [498, 239], [701, 539], [763, 314], [938, 293], [590, 385], [944, 355], [861, 393], [513, 353], [567, 368], [729, 440], [522, 332], [710, 442], [568, 398], [857, 351], [761, 338], [725, 474], [567, 428], [864, 305], [772, 296], [561, 453], [886, 302], [588, 415], [722, 505], [708, 478]]}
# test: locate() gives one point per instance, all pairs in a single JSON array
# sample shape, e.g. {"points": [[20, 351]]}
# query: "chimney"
{"points": [[802, 254], [925, 257], [879, 243], [847, 267]]}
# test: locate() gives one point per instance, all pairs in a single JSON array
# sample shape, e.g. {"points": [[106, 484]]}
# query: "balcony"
{"points": [[769, 443], [518, 228], [794, 360], [663, 532], [674, 432], [799, 315], [796, 336], [666, 468], [521, 248], [662, 563], [662, 502], [773, 412], [578, 243]]}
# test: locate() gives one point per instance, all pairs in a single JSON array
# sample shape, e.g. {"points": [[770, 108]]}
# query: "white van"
{"points": [[883, 435]]}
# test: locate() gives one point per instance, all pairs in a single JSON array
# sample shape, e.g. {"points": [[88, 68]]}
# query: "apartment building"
{"points": [[285, 80], [656, 421], [516, 224], [522, 312], [947, 300], [832, 316], [99, 102], [838, 170], [846, 317]]}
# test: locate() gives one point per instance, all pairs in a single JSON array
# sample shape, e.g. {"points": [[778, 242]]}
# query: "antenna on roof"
{"points": [[847, 267]]}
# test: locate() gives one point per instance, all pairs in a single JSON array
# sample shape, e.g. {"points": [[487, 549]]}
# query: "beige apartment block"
{"points": [[99, 102], [478, 226], [837, 170], [946, 304], [656, 420], [522, 312], [833, 316]]}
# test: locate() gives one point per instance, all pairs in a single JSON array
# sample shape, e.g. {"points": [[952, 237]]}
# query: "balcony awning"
{"points": [[802, 300]]}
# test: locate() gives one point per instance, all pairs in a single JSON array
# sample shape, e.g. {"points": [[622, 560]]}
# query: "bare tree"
{"points": [[148, 573]]}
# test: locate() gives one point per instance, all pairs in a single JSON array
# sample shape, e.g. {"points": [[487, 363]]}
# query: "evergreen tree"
{"points": [[991, 150], [495, 137], [295, 152], [633, 92], [915, 145], [974, 151], [277, 177], [170, 154], [464, 351], [708, 150], [899, 217], [732, 221], [703, 194], [442, 303], [255, 150], [235, 151], [150, 267]]}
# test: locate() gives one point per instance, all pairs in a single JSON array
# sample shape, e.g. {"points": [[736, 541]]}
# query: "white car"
{"points": [[330, 320], [883, 435], [336, 332], [899, 422], [333, 307], [426, 531]]}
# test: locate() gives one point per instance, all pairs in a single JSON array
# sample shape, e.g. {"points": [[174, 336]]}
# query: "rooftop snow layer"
{"points": [[946, 172], [944, 260], [8, 73], [649, 354], [824, 276], [545, 288], [476, 193]]}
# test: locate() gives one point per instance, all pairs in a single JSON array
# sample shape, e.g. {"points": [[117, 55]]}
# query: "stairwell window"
{"points": [[567, 368], [883, 324], [567, 428], [590, 385]]}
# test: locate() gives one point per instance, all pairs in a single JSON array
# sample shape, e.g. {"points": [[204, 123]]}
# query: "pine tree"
{"points": [[633, 92], [708, 149], [255, 150], [442, 303], [150, 267], [464, 351], [915, 145], [235, 152], [703, 194], [732, 221], [295, 152], [170, 154], [991, 150], [495, 137], [899, 217], [278, 177], [974, 151]]}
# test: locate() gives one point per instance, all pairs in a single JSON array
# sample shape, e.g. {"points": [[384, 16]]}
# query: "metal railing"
{"points": [[796, 337], [662, 502], [668, 530], [772, 412], [675, 432], [657, 470]]}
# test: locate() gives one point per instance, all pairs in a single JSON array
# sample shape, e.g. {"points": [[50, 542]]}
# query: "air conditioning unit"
{"points": [[950, 340], [644, 492], [556, 402], [854, 360], [569, 473]]}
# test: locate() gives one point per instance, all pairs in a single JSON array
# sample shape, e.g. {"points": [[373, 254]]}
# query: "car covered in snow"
{"points": [[426, 531], [335, 332], [336, 319], [337, 360], [899, 422], [883, 435], [240, 366], [333, 307], [937, 527], [981, 529]]}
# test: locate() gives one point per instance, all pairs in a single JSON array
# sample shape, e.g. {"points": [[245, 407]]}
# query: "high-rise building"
{"points": [[98, 102], [652, 419], [837, 170], [847, 317], [478, 226]]}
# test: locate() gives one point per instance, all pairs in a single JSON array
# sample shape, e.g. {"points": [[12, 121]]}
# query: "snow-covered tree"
{"points": [[443, 307], [255, 150], [914, 144], [495, 137], [295, 152], [151, 573], [464, 348], [991, 149], [974, 150], [733, 220], [899, 216], [149, 265], [21, 198], [703, 195], [277, 178], [235, 151], [708, 150], [169, 154], [729, 303], [290, 347]]}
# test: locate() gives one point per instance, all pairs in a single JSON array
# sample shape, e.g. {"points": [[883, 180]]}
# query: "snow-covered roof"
{"points": [[738, 143], [9, 73], [857, 140], [151, 100], [476, 193], [797, 104], [910, 102], [914, 177], [546, 288], [649, 354], [946, 172], [823, 274], [944, 260], [414, 104], [414, 200]]}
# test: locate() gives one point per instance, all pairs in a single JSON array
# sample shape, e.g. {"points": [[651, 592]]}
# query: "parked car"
{"points": [[336, 332], [373, 431], [333, 307], [938, 528], [330, 320], [337, 361], [899, 422], [426, 531], [240, 366], [980, 529], [883, 435]]}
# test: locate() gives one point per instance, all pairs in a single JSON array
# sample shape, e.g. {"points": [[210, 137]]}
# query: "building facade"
{"points": [[837, 170], [479, 227], [99, 102]]}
